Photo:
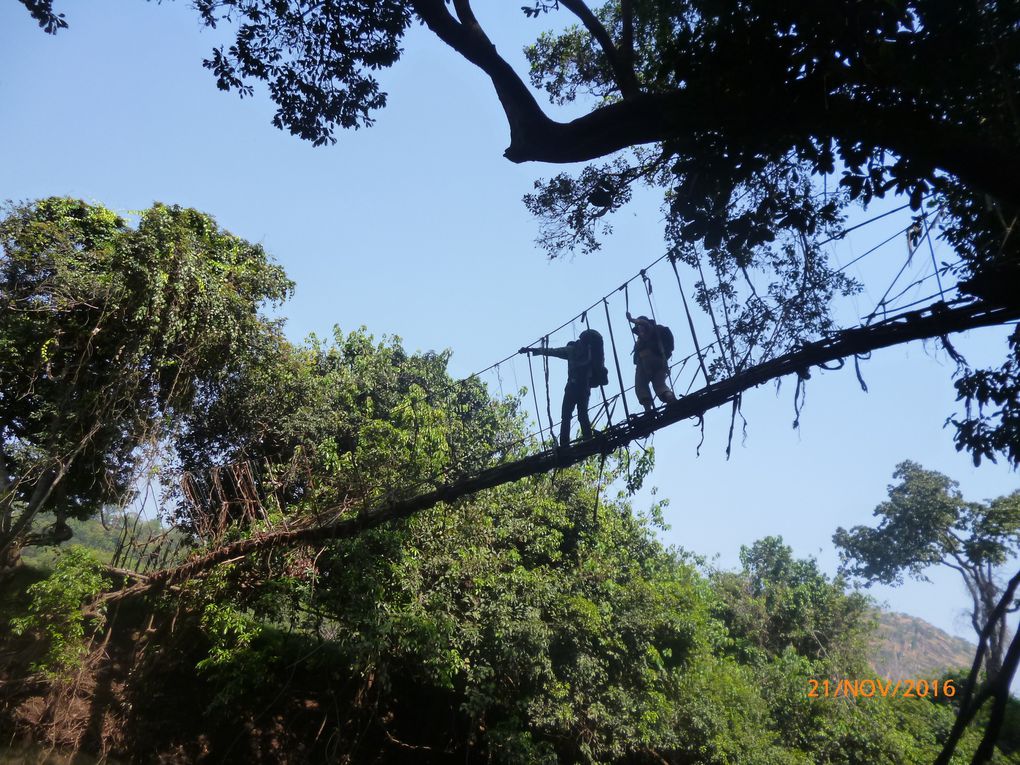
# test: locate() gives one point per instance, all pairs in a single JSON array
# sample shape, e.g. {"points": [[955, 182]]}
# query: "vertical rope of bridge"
{"points": [[931, 249], [451, 402], [715, 324], [502, 398], [690, 322], [616, 359], [734, 365], [548, 402], [648, 293], [598, 492], [651, 307], [534, 393], [881, 305], [602, 388]]}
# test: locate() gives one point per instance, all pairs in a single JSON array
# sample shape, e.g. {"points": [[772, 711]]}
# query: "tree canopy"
{"points": [[107, 334], [777, 601]]}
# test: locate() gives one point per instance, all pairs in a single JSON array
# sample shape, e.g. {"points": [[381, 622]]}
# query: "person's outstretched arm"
{"points": [[560, 353]]}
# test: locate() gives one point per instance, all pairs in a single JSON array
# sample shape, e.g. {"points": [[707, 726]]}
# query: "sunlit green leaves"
{"points": [[108, 333]]}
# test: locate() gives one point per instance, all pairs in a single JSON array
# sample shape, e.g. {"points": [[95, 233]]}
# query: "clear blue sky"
{"points": [[415, 227]]}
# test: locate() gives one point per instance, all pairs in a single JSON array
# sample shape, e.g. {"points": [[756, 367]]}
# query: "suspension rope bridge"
{"points": [[726, 375]]}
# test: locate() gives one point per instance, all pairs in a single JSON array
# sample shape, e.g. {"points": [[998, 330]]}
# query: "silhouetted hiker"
{"points": [[653, 345], [585, 370]]}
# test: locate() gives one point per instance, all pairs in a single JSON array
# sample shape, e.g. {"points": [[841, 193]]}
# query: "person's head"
{"points": [[641, 326]]}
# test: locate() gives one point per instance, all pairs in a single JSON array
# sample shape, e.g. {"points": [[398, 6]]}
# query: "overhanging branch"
{"points": [[466, 36], [624, 75], [784, 118]]}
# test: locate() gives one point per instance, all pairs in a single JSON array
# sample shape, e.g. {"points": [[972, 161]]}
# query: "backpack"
{"points": [[599, 374], [665, 337]]}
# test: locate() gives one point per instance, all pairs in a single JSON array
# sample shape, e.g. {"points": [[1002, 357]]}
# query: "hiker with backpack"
{"points": [[653, 345], [586, 369]]}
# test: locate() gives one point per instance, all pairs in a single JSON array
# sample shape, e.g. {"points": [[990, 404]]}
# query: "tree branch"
{"points": [[792, 115], [627, 37], [47, 483], [969, 704], [623, 73], [466, 36], [1000, 690]]}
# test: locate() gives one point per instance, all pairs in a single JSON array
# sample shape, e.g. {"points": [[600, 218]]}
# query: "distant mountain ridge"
{"points": [[908, 647]]}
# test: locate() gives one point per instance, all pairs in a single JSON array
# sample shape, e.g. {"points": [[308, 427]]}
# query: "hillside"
{"points": [[909, 647]]}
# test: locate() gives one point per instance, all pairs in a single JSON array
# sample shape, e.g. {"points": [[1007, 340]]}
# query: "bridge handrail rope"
{"points": [[715, 324], [917, 283], [690, 320], [534, 393], [869, 221], [655, 262], [548, 402], [931, 247], [883, 303], [616, 358], [642, 274]]}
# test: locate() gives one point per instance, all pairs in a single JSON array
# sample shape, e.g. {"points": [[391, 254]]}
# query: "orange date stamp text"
{"points": [[876, 687]]}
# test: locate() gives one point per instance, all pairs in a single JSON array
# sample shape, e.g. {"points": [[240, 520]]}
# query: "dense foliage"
{"points": [[56, 615], [106, 334], [520, 627]]}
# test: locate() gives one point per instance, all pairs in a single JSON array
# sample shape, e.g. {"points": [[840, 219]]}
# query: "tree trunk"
{"points": [[10, 558], [14, 537], [1002, 682], [970, 702]]}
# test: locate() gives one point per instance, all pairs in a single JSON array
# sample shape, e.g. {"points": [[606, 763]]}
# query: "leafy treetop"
{"points": [[107, 334]]}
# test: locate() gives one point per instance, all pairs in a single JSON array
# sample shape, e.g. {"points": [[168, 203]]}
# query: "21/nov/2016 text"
{"points": [[869, 688]]}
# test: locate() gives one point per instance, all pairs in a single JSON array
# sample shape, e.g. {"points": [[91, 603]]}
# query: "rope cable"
{"points": [[878, 246], [715, 324], [648, 293], [616, 358], [548, 402], [931, 247], [690, 323], [534, 393], [882, 301], [655, 262], [846, 231]]}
